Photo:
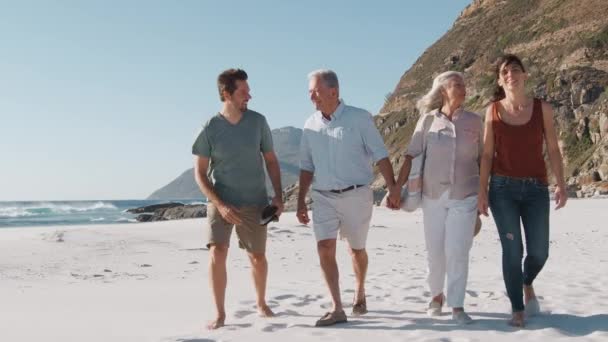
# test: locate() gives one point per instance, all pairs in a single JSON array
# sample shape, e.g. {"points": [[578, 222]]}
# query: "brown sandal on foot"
{"points": [[360, 308], [331, 318]]}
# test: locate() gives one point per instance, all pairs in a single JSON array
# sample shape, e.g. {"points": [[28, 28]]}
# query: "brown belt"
{"points": [[352, 187]]}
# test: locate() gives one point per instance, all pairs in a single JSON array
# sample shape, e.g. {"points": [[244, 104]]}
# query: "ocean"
{"points": [[51, 213]]}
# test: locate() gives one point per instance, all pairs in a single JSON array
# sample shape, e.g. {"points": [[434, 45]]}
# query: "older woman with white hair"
{"points": [[450, 139]]}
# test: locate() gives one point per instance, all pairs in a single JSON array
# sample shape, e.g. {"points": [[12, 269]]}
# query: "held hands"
{"points": [[302, 213], [229, 213], [561, 197], [394, 197]]}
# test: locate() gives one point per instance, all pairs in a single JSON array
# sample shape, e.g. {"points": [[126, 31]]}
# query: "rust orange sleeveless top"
{"points": [[518, 149]]}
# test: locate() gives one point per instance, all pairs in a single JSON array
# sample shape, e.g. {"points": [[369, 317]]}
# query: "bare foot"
{"points": [[264, 311], [216, 324], [517, 320], [439, 298], [529, 294]]}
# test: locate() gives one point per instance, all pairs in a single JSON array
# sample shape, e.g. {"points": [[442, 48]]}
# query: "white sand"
{"points": [[148, 282]]}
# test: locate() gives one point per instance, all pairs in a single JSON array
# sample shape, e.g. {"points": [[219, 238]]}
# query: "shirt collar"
{"points": [[339, 109], [337, 113], [456, 114]]}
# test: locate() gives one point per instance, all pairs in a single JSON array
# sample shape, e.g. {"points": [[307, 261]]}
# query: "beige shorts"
{"points": [[348, 214], [251, 234]]}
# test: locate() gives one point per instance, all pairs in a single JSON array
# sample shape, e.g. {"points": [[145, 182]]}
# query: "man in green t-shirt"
{"points": [[229, 155]]}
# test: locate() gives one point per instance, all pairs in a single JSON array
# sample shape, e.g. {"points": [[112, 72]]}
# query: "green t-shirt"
{"points": [[236, 166]]}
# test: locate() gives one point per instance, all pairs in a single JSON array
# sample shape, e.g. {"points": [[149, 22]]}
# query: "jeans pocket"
{"points": [[497, 183], [539, 190]]}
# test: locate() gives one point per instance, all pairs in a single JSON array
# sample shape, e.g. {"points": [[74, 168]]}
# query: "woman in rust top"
{"points": [[516, 126]]}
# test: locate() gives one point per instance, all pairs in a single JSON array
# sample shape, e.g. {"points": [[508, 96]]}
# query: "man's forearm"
{"points": [[386, 169], [207, 189], [274, 172], [305, 181]]}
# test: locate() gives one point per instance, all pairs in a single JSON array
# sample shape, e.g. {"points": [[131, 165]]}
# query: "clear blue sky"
{"points": [[103, 99]]}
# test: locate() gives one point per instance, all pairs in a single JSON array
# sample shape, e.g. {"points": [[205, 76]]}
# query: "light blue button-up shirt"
{"points": [[340, 151]]}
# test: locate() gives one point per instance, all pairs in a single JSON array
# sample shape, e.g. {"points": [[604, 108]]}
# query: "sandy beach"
{"points": [[148, 282]]}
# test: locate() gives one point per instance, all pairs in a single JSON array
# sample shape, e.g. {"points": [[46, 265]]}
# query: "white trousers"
{"points": [[448, 232]]}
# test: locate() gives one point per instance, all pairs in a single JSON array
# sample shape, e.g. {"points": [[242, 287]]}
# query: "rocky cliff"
{"points": [[564, 44]]}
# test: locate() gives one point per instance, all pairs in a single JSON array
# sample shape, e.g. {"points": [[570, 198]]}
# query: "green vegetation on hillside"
{"points": [[598, 40]]}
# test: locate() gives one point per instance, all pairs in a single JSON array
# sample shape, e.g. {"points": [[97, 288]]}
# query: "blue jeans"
{"points": [[527, 200]]}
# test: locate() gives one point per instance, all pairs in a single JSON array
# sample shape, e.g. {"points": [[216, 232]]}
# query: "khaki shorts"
{"points": [[251, 234], [347, 214]]}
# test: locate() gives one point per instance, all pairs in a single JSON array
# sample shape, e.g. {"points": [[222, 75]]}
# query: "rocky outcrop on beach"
{"points": [[169, 211], [290, 198], [593, 190], [154, 207]]}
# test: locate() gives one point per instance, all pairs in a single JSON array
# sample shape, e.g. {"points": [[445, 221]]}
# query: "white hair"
{"points": [[434, 99], [328, 77]]}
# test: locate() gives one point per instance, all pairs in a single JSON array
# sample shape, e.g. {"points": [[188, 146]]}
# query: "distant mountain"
{"points": [[286, 142], [181, 187]]}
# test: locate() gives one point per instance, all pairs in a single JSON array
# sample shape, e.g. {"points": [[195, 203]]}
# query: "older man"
{"points": [[230, 149], [338, 146]]}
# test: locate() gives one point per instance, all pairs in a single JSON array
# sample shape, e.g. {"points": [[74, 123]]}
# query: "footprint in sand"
{"points": [[233, 327], [194, 249], [326, 305], [414, 299], [306, 300], [273, 327], [284, 231], [412, 287], [288, 313], [137, 276], [243, 313], [487, 294], [282, 297], [57, 236], [472, 294]]}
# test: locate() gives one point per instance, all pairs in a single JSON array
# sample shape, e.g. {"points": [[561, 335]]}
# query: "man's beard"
{"points": [[243, 108]]}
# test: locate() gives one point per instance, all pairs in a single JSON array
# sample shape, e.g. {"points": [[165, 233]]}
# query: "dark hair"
{"points": [[508, 59], [226, 81]]}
